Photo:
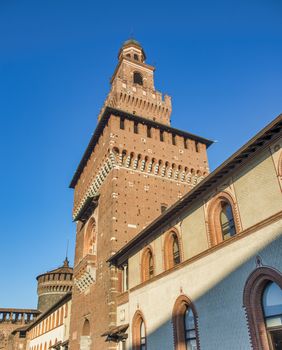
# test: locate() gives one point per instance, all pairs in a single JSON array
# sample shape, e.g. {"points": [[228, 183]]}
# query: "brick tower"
{"points": [[133, 168]]}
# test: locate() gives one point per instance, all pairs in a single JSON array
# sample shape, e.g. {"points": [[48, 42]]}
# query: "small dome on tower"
{"points": [[131, 41], [132, 49]]}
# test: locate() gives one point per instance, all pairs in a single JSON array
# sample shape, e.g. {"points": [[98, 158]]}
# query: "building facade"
{"points": [[51, 329], [135, 166], [207, 273]]}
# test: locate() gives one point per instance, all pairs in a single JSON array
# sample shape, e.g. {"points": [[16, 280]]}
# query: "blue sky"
{"points": [[221, 61]]}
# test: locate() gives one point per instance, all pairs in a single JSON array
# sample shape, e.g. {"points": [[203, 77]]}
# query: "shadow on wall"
{"points": [[221, 318]]}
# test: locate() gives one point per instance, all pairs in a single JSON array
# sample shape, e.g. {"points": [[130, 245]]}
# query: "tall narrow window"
{"points": [[151, 266], [142, 336], [90, 238], [185, 141], [173, 139], [121, 123], [147, 265], [137, 78], [197, 146], [85, 339], [161, 135], [149, 131], [190, 329], [176, 252], [227, 221], [184, 319], [172, 250], [139, 338], [135, 128]]}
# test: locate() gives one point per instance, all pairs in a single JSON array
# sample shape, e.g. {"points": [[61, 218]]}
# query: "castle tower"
{"points": [[132, 86], [53, 285], [134, 167]]}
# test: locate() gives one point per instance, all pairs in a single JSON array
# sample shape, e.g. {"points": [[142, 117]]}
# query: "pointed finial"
{"points": [[66, 262]]}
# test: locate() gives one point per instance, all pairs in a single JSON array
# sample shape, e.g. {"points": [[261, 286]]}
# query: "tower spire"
{"points": [[133, 89]]}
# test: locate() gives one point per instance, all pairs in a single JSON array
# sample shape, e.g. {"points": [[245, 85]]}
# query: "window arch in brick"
{"points": [[85, 339], [90, 237], [172, 249], [139, 333], [223, 218], [264, 331], [147, 264], [185, 324]]}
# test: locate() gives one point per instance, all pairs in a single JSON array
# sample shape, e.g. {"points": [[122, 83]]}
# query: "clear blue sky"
{"points": [[221, 61]]}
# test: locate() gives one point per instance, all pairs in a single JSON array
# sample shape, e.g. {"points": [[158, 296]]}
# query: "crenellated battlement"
{"points": [[18, 316], [140, 100]]}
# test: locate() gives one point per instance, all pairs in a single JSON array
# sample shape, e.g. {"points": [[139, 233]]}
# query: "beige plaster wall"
{"points": [[257, 190]]}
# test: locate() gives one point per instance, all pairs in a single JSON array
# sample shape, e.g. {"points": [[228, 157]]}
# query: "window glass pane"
{"points": [[151, 266], [191, 334], [189, 319], [192, 345], [142, 330], [227, 221], [272, 300], [273, 321], [176, 255]]}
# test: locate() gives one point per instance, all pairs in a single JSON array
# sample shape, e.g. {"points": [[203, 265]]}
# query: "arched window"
{"points": [[136, 57], [227, 221], [184, 319], [147, 265], [263, 304], [86, 328], [85, 339], [139, 337], [137, 78], [90, 238], [223, 218], [172, 250]]}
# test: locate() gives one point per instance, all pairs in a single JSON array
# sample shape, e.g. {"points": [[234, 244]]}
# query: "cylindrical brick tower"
{"points": [[53, 285]]}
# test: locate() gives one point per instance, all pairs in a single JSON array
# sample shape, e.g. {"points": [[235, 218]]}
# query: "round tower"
{"points": [[53, 285]]}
